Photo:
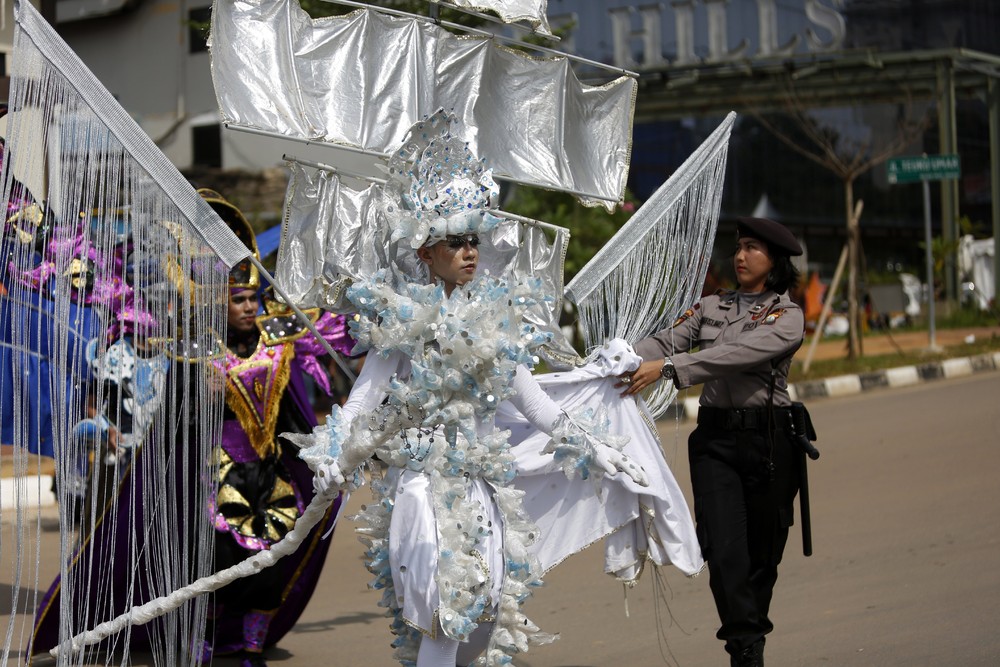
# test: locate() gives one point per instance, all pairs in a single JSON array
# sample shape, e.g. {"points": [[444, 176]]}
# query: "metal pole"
{"points": [[383, 156], [993, 99], [948, 144], [330, 168], [305, 319], [930, 264], [497, 212], [489, 19], [485, 33]]}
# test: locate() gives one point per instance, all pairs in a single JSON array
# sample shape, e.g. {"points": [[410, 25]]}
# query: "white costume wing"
{"points": [[655, 265]]}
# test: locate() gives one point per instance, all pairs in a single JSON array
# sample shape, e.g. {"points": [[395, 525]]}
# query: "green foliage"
{"points": [[590, 228], [968, 315], [321, 8], [885, 276]]}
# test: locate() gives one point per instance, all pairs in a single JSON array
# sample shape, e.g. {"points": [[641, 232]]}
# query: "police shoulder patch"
{"points": [[687, 313], [773, 316]]}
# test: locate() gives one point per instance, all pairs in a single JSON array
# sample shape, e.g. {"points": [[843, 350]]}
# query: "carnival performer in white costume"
{"points": [[449, 541]]}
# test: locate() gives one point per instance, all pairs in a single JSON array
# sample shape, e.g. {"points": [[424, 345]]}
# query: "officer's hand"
{"points": [[612, 461], [634, 382]]}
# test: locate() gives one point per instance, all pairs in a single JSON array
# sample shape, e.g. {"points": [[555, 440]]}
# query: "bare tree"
{"points": [[848, 158]]}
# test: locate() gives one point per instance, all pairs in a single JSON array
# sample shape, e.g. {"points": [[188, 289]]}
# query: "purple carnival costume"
{"points": [[259, 486], [262, 487]]}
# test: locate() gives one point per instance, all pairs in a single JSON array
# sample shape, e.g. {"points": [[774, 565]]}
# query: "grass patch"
{"points": [[820, 369]]}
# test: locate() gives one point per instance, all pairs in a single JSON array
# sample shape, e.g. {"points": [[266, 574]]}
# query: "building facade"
{"points": [[695, 59]]}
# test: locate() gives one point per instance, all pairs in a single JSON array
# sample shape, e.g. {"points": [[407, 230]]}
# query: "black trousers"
{"points": [[744, 484]]}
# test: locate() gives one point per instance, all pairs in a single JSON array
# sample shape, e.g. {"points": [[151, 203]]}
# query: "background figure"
{"points": [[262, 487], [29, 315], [125, 392], [744, 468]]}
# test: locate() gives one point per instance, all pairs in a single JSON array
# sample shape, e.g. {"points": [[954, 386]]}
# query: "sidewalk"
{"points": [[908, 341], [26, 478], [902, 376]]}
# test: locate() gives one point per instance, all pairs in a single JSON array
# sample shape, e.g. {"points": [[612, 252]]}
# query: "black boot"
{"points": [[251, 659], [751, 656]]}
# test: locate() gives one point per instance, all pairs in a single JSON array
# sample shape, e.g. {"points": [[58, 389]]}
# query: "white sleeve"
{"points": [[370, 388], [532, 401]]}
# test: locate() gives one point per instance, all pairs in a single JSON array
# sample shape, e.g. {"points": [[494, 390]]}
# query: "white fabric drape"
{"points": [[638, 524]]}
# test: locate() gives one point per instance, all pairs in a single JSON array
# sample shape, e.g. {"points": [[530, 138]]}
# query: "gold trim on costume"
{"points": [[259, 427], [430, 633], [33, 215], [275, 310]]}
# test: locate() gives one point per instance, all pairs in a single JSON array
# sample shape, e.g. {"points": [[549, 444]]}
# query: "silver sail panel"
{"points": [[531, 12], [363, 79], [328, 237]]}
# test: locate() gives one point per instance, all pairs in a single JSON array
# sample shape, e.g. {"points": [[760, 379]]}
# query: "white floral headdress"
{"points": [[436, 186]]}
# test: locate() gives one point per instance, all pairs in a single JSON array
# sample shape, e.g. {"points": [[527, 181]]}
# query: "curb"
{"points": [[27, 491], [903, 376]]}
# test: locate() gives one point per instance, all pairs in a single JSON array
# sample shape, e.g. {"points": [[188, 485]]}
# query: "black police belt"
{"points": [[744, 419]]}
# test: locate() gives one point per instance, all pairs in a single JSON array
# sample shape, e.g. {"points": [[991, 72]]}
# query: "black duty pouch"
{"points": [[802, 422]]}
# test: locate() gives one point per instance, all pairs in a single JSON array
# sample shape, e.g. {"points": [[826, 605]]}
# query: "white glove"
{"points": [[328, 478], [611, 461]]}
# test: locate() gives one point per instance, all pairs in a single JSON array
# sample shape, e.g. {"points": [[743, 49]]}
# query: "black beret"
{"points": [[775, 235]]}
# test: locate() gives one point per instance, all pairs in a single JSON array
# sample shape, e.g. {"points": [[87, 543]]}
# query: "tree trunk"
{"points": [[854, 350]]}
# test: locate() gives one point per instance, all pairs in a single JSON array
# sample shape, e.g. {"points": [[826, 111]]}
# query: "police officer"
{"points": [[743, 469]]}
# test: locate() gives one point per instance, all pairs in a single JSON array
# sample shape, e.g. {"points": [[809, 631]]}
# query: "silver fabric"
{"points": [[329, 237], [531, 12], [364, 79], [332, 236]]}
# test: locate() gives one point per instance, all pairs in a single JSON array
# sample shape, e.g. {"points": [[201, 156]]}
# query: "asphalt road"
{"points": [[905, 571]]}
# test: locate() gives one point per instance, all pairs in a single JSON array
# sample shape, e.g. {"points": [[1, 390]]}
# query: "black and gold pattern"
{"points": [[256, 499]]}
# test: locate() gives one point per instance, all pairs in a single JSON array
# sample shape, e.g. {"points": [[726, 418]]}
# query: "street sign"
{"points": [[923, 168]]}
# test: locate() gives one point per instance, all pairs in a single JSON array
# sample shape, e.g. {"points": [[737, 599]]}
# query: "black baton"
{"points": [[807, 544], [801, 438]]}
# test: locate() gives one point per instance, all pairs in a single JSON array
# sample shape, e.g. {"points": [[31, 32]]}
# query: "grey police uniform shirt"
{"points": [[736, 343]]}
